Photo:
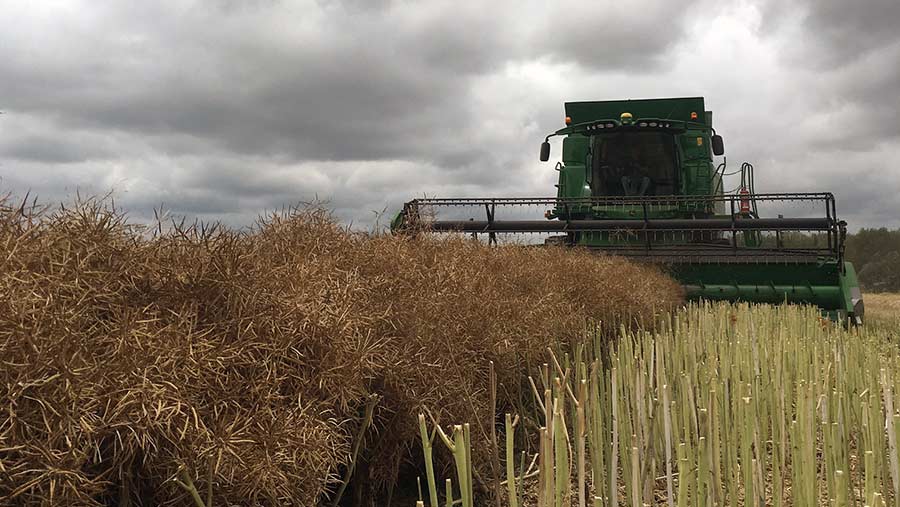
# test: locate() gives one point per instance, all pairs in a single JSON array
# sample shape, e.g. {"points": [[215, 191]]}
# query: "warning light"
{"points": [[625, 118], [568, 120], [693, 115]]}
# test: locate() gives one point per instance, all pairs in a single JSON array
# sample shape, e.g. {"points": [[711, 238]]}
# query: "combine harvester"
{"points": [[637, 179]]}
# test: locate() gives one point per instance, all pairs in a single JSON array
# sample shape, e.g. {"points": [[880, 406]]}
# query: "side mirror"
{"points": [[718, 146], [545, 151]]}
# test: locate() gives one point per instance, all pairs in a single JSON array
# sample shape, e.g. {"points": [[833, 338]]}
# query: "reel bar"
{"points": [[685, 225], [825, 197]]}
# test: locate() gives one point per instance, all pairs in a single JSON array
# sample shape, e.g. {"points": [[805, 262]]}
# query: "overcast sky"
{"points": [[223, 109]]}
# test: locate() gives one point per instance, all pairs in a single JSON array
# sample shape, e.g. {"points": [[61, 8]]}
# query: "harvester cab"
{"points": [[638, 178]]}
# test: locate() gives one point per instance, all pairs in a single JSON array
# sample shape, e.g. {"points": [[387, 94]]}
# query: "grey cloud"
{"points": [[224, 109], [865, 186], [604, 36], [47, 149], [832, 32], [35, 138], [844, 59], [360, 85], [360, 88], [858, 102], [850, 30]]}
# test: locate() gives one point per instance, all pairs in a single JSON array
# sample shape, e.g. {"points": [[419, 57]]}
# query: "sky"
{"points": [[222, 110]]}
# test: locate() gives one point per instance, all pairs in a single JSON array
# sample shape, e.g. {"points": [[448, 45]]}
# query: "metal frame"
{"points": [[826, 197], [733, 223]]}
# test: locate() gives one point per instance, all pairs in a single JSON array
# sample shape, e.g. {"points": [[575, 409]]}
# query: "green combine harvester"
{"points": [[637, 179]]}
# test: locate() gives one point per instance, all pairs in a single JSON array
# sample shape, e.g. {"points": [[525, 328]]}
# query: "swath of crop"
{"points": [[283, 364]]}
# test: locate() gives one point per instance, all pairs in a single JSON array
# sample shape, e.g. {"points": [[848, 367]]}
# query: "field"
{"points": [[299, 363]]}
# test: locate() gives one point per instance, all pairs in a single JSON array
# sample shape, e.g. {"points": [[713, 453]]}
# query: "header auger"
{"points": [[637, 179]]}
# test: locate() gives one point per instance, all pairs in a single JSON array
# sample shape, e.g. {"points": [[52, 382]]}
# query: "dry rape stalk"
{"points": [[495, 451], [184, 480], [357, 442]]}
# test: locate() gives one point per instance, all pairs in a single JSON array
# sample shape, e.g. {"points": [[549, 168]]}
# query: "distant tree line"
{"points": [[875, 253]]}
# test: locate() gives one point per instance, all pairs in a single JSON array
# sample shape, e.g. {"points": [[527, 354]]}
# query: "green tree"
{"points": [[876, 255]]}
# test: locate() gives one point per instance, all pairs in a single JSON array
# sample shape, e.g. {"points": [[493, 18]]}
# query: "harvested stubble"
{"points": [[245, 359], [724, 405]]}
